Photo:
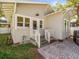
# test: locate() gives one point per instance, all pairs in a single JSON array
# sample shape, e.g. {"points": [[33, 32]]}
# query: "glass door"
{"points": [[34, 25]]}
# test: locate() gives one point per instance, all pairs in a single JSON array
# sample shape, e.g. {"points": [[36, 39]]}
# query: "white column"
{"points": [[43, 23], [31, 27], [23, 22], [38, 24], [13, 17], [15, 22], [38, 40]]}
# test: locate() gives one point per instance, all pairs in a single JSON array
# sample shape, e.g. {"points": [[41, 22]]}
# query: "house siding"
{"points": [[55, 24], [18, 34], [32, 9], [28, 10]]}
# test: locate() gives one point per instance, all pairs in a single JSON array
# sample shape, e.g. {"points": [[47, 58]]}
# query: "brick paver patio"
{"points": [[60, 50]]}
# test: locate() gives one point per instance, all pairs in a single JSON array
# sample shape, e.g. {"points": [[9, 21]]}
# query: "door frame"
{"points": [[31, 23], [38, 25]]}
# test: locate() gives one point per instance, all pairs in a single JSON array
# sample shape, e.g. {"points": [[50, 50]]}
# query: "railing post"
{"points": [[38, 40], [36, 36], [48, 37], [45, 34]]}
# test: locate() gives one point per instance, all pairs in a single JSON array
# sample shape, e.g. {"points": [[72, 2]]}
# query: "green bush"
{"points": [[4, 39]]}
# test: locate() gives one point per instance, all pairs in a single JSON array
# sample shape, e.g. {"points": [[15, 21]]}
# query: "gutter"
{"points": [[52, 13], [28, 2]]}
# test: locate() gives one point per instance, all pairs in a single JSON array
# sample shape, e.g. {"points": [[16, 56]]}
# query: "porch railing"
{"points": [[47, 35], [37, 38]]}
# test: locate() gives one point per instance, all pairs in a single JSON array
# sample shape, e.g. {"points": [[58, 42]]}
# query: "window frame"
{"points": [[28, 23], [16, 21], [20, 22], [36, 25], [41, 24]]}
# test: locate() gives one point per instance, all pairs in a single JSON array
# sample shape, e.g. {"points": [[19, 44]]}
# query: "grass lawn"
{"points": [[25, 51]]}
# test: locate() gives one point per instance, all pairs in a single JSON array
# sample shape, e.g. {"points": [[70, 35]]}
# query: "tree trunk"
{"points": [[77, 15], [1, 9]]}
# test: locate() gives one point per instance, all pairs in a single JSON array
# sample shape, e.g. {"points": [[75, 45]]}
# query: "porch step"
{"points": [[44, 42]]}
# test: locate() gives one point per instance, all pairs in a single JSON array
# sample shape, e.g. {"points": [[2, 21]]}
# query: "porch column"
{"points": [[43, 23], [23, 22], [31, 27], [13, 17], [38, 25], [15, 22]]}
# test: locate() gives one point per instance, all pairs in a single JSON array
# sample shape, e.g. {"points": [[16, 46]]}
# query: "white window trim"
{"points": [[18, 22], [23, 22], [31, 19]]}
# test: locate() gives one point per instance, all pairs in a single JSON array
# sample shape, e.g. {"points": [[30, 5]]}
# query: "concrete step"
{"points": [[43, 42], [43, 45]]}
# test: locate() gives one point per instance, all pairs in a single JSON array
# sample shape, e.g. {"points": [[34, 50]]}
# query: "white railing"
{"points": [[37, 38], [47, 35]]}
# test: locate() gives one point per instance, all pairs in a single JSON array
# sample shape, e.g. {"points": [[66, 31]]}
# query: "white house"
{"points": [[31, 20]]}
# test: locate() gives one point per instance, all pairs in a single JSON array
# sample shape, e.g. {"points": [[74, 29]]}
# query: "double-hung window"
{"points": [[23, 21], [27, 22], [19, 21], [41, 24]]}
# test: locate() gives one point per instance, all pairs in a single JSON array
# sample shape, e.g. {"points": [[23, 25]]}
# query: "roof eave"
{"points": [[52, 13], [29, 2]]}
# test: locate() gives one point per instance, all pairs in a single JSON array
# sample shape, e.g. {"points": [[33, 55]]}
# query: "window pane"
{"points": [[19, 21], [19, 24], [27, 22], [3, 25], [34, 24], [40, 24]]}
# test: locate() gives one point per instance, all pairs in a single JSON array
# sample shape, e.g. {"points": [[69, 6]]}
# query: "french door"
{"points": [[36, 25]]}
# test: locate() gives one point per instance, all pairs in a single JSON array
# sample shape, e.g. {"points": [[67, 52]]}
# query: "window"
{"points": [[19, 21], [27, 22], [40, 24], [35, 25], [3, 25]]}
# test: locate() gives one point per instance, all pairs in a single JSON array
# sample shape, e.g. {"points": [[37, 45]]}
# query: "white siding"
{"points": [[32, 9], [55, 23], [17, 35]]}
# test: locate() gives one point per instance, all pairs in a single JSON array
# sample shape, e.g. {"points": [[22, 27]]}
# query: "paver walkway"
{"points": [[60, 50]]}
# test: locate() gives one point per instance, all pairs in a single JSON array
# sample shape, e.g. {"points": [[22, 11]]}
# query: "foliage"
{"points": [[74, 3], [1, 12], [24, 51], [60, 6], [3, 39], [17, 52]]}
